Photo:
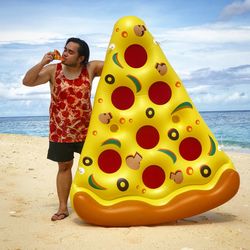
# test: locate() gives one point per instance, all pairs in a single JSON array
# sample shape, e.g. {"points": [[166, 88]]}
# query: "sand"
{"points": [[28, 199]]}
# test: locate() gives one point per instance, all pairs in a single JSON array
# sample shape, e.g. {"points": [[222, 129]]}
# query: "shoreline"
{"points": [[27, 187]]}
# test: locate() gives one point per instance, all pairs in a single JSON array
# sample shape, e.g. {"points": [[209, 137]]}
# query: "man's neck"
{"points": [[72, 72]]}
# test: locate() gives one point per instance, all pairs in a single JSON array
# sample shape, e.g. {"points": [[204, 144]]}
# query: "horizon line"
{"points": [[202, 111]]}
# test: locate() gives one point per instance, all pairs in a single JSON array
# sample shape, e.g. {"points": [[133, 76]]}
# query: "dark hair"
{"points": [[83, 49]]}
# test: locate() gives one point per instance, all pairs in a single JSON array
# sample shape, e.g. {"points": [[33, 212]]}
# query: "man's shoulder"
{"points": [[95, 63], [95, 66], [50, 68]]}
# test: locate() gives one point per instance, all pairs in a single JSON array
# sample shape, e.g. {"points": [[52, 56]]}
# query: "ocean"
{"points": [[231, 128]]}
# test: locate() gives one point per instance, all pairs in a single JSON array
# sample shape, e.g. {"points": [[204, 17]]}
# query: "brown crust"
{"points": [[135, 213]]}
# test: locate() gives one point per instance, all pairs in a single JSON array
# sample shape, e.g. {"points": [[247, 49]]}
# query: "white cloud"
{"points": [[229, 77], [197, 90], [235, 8], [206, 57], [224, 89], [216, 46], [219, 100], [28, 37], [206, 34], [20, 92]]}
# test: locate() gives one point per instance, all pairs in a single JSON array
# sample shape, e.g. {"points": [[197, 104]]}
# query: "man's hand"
{"points": [[48, 58]]}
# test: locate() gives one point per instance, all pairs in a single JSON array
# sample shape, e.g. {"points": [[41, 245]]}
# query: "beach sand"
{"points": [[28, 199]]}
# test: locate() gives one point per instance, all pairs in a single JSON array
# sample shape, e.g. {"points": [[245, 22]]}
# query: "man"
{"points": [[70, 108]]}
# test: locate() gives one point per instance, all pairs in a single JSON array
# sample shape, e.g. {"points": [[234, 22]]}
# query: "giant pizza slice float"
{"points": [[149, 157]]}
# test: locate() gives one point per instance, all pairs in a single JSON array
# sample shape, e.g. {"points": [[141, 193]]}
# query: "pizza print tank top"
{"points": [[70, 107]]}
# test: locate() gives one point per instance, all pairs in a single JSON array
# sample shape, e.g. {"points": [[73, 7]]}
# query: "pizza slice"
{"points": [[56, 55], [149, 157]]}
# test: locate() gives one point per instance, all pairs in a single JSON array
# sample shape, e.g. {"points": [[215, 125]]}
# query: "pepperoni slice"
{"points": [[190, 148], [147, 137], [159, 93], [153, 176], [135, 56], [123, 98], [109, 161]]}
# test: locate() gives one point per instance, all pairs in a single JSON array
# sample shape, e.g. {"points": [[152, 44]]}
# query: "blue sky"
{"points": [[207, 43]]}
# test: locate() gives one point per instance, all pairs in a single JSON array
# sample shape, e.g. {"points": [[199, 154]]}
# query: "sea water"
{"points": [[27, 125], [231, 128]]}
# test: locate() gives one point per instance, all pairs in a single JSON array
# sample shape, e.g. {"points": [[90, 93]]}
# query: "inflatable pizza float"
{"points": [[149, 157]]}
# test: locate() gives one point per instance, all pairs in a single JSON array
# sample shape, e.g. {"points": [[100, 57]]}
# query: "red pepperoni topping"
{"points": [[135, 56], [70, 99], [52, 127], [63, 95], [62, 105], [123, 97], [79, 94], [159, 93], [153, 176], [190, 148], [109, 161], [147, 137]]}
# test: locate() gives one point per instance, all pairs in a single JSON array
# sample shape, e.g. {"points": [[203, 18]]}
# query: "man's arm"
{"points": [[98, 66], [39, 74], [95, 69]]}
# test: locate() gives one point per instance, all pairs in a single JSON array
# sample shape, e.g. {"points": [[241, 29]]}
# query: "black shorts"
{"points": [[62, 152]]}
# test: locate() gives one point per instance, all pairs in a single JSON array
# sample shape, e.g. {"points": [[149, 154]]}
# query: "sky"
{"points": [[206, 42]]}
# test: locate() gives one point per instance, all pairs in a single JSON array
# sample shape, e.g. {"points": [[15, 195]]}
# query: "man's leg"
{"points": [[63, 184]]}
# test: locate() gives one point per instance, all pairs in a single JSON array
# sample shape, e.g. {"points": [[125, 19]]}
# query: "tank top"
{"points": [[70, 107]]}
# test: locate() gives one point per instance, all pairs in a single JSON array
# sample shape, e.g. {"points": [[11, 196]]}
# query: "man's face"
{"points": [[70, 55]]}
